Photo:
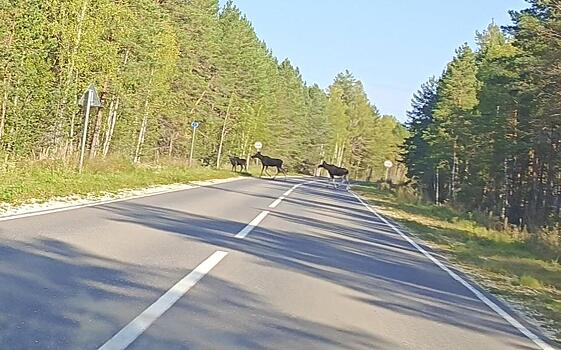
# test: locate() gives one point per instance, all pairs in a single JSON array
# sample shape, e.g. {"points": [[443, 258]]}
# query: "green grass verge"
{"points": [[41, 181], [503, 262]]}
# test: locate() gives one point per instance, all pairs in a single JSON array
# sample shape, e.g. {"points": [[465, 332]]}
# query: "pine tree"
{"points": [[417, 151], [493, 142], [454, 116]]}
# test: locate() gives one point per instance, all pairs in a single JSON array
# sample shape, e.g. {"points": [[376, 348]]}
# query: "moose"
{"points": [[237, 161], [266, 162], [335, 171]]}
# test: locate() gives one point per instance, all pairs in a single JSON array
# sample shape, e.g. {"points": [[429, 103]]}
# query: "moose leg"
{"points": [[333, 182], [267, 171], [262, 169], [280, 170]]}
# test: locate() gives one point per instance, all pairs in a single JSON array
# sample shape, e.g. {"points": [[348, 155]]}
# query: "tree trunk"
{"points": [[7, 78], [65, 83], [112, 115], [453, 175], [96, 134], [144, 125], [69, 148], [3, 113], [107, 134], [241, 143], [15, 106], [111, 121], [357, 169], [58, 138], [437, 188], [340, 157], [8, 45], [141, 134], [170, 146], [505, 198], [223, 132]]}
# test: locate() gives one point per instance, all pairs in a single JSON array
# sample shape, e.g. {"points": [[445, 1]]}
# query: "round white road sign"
{"points": [[258, 145], [388, 164]]}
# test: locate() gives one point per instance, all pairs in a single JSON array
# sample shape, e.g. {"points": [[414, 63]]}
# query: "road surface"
{"points": [[315, 270]]}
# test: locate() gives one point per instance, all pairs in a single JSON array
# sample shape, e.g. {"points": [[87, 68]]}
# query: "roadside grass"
{"points": [[504, 262], [40, 181]]}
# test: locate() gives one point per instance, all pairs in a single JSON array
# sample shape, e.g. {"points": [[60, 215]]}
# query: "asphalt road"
{"points": [[318, 271]]}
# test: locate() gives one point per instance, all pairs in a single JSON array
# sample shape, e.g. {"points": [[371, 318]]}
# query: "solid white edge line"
{"points": [[124, 199], [136, 327], [493, 306], [249, 227]]}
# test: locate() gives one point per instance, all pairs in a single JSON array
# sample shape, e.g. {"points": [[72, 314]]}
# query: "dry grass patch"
{"points": [[504, 262]]}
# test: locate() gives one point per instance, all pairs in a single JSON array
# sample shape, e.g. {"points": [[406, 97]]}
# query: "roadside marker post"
{"points": [[194, 126], [258, 145], [387, 164]]}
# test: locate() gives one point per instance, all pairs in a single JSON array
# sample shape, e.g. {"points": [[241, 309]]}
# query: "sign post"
{"points": [[258, 145], [89, 99], [388, 164], [194, 126]]}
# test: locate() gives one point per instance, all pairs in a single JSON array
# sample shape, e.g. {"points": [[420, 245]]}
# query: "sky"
{"points": [[392, 46]]}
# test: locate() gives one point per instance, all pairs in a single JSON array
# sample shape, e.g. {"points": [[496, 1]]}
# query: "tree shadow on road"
{"points": [[357, 253], [53, 295], [56, 296], [223, 315]]}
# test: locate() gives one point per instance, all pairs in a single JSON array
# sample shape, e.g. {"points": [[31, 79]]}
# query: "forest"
{"points": [[159, 65], [481, 143], [485, 135]]}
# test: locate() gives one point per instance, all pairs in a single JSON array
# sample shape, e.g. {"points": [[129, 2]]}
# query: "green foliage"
{"points": [[485, 138], [420, 165], [158, 65], [493, 135], [41, 181], [530, 282], [359, 138], [506, 263]]}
